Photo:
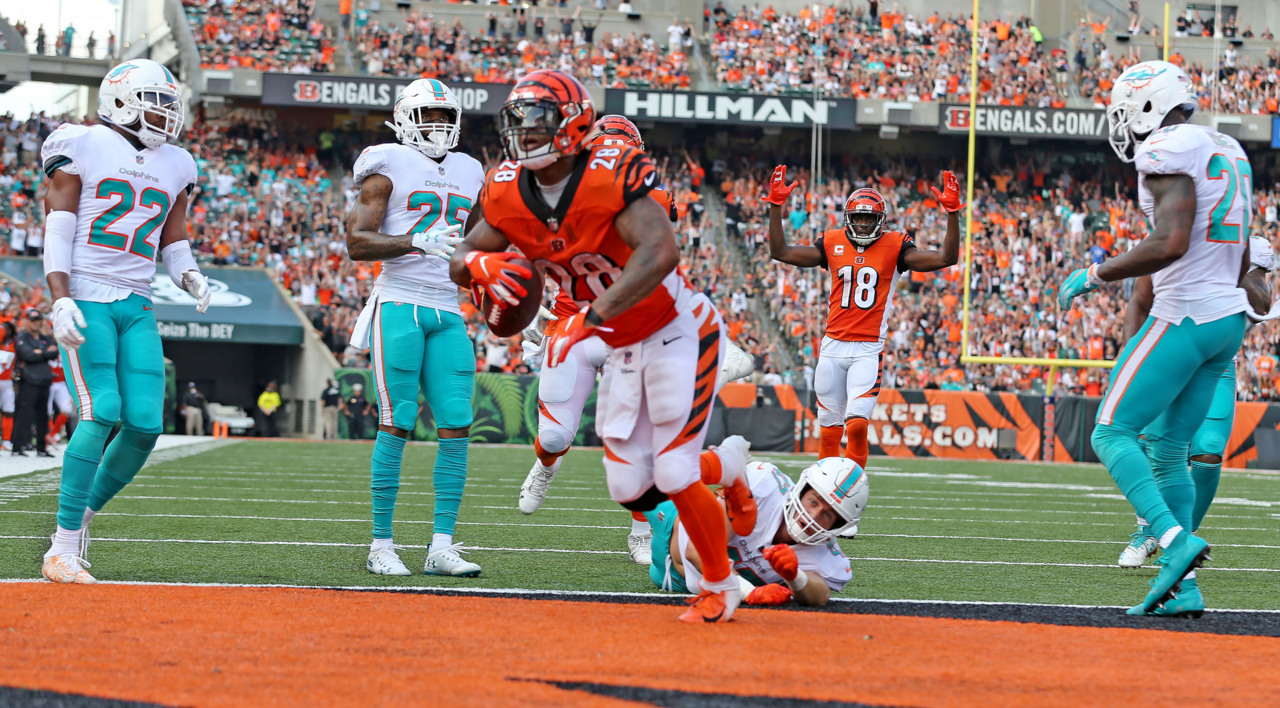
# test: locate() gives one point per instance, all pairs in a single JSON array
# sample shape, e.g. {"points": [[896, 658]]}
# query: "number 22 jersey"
{"points": [[126, 196], [576, 242]]}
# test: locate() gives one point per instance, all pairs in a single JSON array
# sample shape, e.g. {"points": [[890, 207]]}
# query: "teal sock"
{"points": [[1205, 476], [1131, 470], [1169, 468], [79, 465], [126, 454], [449, 477], [388, 452]]}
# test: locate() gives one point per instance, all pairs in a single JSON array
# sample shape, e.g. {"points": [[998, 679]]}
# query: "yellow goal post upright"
{"points": [[1052, 365]]}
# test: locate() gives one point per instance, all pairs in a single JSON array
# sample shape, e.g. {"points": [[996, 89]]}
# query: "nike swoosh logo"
{"points": [[146, 308], [665, 342], [713, 620], [649, 179]]}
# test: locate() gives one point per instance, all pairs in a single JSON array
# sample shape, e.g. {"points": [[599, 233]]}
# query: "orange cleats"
{"points": [[741, 507], [710, 607], [66, 568]]}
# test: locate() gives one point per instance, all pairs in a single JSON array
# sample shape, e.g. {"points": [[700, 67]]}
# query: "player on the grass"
{"points": [[1195, 186], [563, 390], [791, 550], [117, 200], [1209, 443], [585, 217], [865, 262], [414, 199]]}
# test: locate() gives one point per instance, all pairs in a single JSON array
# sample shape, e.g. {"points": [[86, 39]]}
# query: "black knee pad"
{"points": [[647, 501]]}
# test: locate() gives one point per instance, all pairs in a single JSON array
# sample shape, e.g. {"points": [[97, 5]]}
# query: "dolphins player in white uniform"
{"points": [[117, 200], [414, 199], [1195, 187], [792, 549]]}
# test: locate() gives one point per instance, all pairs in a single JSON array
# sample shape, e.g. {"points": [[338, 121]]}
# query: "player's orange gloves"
{"points": [[566, 333], [769, 595], [949, 197], [783, 559], [779, 190], [493, 271]]}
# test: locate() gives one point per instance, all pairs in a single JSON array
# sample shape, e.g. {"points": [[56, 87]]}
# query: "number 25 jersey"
{"points": [[576, 242], [862, 283], [126, 195]]}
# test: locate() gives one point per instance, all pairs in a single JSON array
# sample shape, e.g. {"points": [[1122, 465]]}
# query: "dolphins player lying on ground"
{"points": [[791, 549]]}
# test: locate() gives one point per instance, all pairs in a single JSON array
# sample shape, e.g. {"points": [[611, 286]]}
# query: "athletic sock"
{"points": [[550, 460], [1131, 470], [1166, 539], [1169, 468], [6, 427], [89, 513], [384, 474], [857, 449], [449, 477], [380, 544], [79, 466], [1205, 476], [703, 519], [712, 469], [440, 541], [64, 541], [56, 426], [639, 524], [125, 455], [829, 441]]}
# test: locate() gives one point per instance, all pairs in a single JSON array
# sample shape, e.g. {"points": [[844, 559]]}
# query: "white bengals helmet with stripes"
{"points": [[838, 481]]}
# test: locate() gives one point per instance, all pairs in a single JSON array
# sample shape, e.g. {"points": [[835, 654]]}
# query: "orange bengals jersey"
{"points": [[862, 283], [576, 243]]}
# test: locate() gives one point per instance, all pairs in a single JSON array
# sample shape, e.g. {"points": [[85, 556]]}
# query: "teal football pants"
{"points": [[1162, 385], [117, 375]]}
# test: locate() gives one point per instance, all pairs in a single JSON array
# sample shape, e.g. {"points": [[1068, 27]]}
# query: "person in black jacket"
{"points": [[34, 349]]}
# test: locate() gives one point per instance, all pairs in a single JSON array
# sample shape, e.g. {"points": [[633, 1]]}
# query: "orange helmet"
{"points": [[548, 104], [615, 130], [865, 212]]}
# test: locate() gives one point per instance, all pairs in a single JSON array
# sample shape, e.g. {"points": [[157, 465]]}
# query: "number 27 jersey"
{"points": [[576, 242], [862, 283], [126, 195]]}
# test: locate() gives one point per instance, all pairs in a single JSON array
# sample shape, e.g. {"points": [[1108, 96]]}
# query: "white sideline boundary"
{"points": [[568, 594], [168, 447]]}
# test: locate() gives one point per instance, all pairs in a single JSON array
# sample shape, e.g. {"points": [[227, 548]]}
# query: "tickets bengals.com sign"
{"points": [[1022, 122]]}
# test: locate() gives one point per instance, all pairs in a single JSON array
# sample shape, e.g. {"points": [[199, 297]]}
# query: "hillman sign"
{"points": [[1025, 122], [362, 92], [737, 108]]}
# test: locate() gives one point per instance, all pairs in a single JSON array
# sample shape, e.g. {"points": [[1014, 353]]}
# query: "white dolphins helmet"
{"points": [[1142, 96], [841, 483], [139, 88], [410, 118]]}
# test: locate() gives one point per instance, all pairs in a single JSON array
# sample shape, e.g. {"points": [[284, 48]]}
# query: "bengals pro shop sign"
{"points": [[737, 108], [1024, 122], [362, 92]]}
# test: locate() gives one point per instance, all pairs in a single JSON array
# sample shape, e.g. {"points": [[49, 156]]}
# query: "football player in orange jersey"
{"points": [[865, 261], [563, 390], [584, 217]]}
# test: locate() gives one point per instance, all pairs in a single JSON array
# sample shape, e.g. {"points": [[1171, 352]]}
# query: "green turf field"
{"points": [[298, 513]]}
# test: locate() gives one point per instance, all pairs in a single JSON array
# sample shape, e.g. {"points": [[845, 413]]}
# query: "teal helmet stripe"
{"points": [[438, 88], [846, 486], [168, 74]]}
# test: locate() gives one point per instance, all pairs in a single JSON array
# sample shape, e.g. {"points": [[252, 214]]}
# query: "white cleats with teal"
{"points": [[386, 562], [1141, 547], [640, 548], [1185, 554], [446, 561], [534, 490]]}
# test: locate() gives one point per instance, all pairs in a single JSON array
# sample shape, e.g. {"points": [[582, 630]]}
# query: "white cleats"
{"points": [[534, 490], [386, 562], [66, 568], [850, 532], [640, 548], [1140, 548], [446, 561], [737, 365]]}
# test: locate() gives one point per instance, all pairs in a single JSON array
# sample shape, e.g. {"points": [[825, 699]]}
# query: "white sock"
{"points": [[639, 528], [64, 541], [380, 544], [1190, 576], [1142, 522], [88, 516], [1167, 537], [440, 541], [728, 473]]}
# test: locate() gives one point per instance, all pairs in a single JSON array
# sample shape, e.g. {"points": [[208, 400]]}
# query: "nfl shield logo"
{"points": [[139, 159], [553, 224], [557, 245], [626, 357], [441, 170]]}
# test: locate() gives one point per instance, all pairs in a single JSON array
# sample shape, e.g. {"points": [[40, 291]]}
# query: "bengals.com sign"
{"points": [[1024, 122], [367, 93]]}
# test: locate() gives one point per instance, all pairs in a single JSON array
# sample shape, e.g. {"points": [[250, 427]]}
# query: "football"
{"points": [[508, 320]]}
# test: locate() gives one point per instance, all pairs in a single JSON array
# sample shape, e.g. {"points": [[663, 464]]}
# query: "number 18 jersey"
{"points": [[1202, 284], [126, 195], [862, 283]]}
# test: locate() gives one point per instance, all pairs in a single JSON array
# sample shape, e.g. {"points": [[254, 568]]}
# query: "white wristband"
{"points": [[178, 260], [798, 584], [59, 235], [1093, 278]]}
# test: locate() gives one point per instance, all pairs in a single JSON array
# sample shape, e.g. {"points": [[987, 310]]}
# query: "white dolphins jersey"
{"points": [[126, 195], [769, 487], [1202, 284], [425, 195]]}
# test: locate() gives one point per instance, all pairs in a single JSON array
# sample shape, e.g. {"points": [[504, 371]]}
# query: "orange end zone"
{"points": [[233, 646]]}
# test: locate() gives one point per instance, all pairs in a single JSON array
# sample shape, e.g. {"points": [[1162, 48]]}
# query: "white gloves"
{"points": [[532, 354], [194, 282], [67, 321], [438, 242], [534, 346]]}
